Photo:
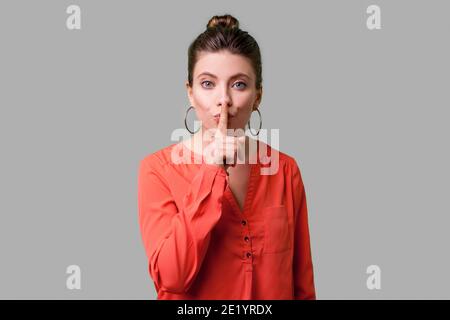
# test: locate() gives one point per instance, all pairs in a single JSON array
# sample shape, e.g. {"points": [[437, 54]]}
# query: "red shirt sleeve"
{"points": [[304, 288], [176, 238]]}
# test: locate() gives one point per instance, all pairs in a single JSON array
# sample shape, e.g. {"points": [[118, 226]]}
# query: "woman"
{"points": [[218, 226]]}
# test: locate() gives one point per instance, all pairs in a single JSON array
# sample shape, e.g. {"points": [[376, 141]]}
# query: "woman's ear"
{"points": [[258, 99], [189, 92]]}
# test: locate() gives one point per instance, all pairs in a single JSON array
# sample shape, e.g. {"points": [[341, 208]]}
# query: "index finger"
{"points": [[223, 120]]}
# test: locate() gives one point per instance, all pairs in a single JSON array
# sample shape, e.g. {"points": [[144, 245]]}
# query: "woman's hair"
{"points": [[223, 33]]}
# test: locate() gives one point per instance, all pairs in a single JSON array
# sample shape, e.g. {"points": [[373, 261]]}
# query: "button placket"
{"points": [[246, 240], [246, 232]]}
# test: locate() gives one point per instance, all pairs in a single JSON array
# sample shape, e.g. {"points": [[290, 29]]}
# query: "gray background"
{"points": [[364, 113]]}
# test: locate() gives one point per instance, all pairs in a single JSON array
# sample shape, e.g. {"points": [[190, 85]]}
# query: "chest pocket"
{"points": [[276, 229]]}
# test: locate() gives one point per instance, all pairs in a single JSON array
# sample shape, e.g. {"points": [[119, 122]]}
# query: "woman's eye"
{"points": [[244, 85], [206, 82]]}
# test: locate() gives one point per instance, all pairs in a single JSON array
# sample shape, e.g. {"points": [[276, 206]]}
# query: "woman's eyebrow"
{"points": [[240, 74]]}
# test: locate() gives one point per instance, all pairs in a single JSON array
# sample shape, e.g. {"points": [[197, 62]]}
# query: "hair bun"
{"points": [[225, 21]]}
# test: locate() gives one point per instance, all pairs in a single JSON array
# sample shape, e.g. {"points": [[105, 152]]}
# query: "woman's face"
{"points": [[223, 79]]}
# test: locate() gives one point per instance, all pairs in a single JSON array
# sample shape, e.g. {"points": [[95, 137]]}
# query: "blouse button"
{"points": [[246, 239], [244, 222], [249, 254]]}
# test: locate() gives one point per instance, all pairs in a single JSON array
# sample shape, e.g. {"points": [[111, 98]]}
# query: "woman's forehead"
{"points": [[223, 65]]}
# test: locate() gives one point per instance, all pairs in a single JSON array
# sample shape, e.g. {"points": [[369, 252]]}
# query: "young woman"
{"points": [[225, 224]]}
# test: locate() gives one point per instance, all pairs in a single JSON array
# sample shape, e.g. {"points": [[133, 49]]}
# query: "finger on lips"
{"points": [[223, 120]]}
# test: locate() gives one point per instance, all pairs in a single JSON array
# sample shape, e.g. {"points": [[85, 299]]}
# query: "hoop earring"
{"points": [[260, 123], [185, 121]]}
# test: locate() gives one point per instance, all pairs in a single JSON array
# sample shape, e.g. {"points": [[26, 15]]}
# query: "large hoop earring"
{"points": [[185, 121], [260, 123]]}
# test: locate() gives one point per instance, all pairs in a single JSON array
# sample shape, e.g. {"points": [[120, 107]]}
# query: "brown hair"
{"points": [[223, 33]]}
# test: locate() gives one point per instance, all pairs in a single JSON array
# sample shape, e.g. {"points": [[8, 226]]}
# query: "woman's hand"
{"points": [[223, 149]]}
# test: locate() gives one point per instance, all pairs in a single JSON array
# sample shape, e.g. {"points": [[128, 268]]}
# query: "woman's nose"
{"points": [[224, 98]]}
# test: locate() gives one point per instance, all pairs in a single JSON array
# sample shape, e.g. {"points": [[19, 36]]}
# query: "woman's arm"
{"points": [[304, 288], [176, 239]]}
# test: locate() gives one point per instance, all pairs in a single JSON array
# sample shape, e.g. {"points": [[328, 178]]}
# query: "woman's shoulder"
{"points": [[158, 158], [288, 167], [284, 159]]}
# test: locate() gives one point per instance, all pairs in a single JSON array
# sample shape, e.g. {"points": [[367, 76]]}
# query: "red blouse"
{"points": [[201, 245]]}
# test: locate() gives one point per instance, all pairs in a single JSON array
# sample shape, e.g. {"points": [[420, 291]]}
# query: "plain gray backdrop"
{"points": [[365, 114]]}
